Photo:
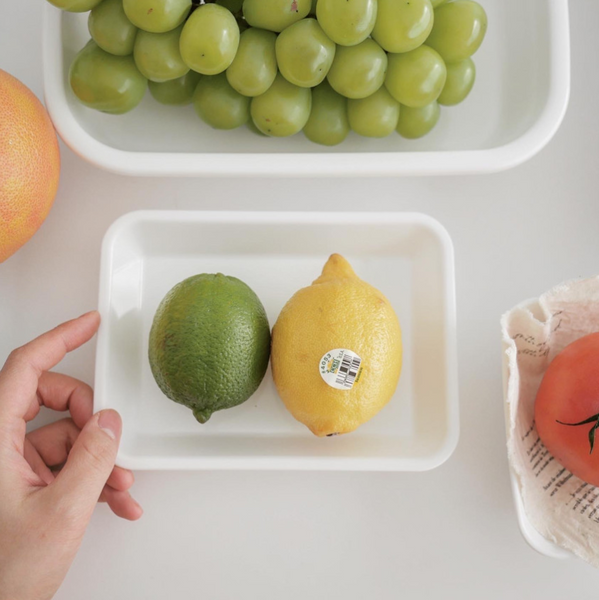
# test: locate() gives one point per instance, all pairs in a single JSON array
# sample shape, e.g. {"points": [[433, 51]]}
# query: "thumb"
{"points": [[90, 462]]}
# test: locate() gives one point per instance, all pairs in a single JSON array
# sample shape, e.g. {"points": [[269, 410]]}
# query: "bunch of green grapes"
{"points": [[326, 67]]}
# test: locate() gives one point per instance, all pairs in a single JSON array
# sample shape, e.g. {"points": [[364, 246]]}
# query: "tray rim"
{"points": [[294, 462], [182, 164]]}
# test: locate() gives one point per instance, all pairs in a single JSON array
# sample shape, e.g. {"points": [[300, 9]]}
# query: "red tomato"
{"points": [[567, 408]]}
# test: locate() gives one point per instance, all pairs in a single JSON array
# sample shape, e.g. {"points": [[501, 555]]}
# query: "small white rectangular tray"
{"points": [[517, 105], [409, 257]]}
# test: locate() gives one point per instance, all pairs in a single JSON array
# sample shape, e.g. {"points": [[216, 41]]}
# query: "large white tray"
{"points": [[409, 257], [516, 107]]}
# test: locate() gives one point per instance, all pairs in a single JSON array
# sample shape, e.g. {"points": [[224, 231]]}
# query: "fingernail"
{"points": [[110, 422], [89, 314]]}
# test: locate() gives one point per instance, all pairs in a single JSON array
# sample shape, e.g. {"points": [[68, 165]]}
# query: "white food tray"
{"points": [[531, 535], [409, 257], [516, 107]]}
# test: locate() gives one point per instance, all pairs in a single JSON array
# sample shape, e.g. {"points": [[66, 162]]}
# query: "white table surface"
{"points": [[448, 533]]}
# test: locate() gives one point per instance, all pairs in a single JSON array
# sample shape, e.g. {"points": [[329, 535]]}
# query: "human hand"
{"points": [[44, 512]]}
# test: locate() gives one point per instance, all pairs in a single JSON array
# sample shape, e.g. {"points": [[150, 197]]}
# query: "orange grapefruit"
{"points": [[29, 164]]}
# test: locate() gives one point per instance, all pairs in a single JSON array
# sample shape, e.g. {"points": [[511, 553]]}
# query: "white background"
{"points": [[448, 533]]}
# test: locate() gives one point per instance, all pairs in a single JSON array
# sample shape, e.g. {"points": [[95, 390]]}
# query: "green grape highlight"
{"points": [[415, 123], [347, 22], [209, 39], [358, 71], [108, 83], [157, 16], [403, 25], [460, 81], [459, 30], [254, 67], [218, 104], [75, 5], [304, 53], [375, 116], [111, 29], [416, 78], [275, 15], [328, 123], [283, 109], [157, 55], [175, 92]]}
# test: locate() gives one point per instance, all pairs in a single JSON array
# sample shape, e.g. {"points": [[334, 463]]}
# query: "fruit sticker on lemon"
{"points": [[341, 368], [336, 351]]}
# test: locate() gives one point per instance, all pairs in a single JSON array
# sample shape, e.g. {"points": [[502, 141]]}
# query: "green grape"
{"points": [[75, 5], [176, 92], [275, 15], [111, 29], [252, 127], [459, 30], [375, 116], [219, 105], [416, 78], [233, 5], [460, 80], [283, 109], [108, 83], [436, 3], [403, 25], [417, 122], [358, 71], [254, 67], [347, 23], [157, 16], [304, 53], [210, 39], [157, 55], [328, 123]]}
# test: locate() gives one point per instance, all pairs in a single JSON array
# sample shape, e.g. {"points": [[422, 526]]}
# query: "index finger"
{"points": [[20, 375]]}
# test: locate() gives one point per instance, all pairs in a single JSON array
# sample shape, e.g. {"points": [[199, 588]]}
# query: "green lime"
{"points": [[209, 344]]}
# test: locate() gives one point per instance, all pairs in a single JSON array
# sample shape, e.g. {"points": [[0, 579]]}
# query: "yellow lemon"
{"points": [[336, 351]]}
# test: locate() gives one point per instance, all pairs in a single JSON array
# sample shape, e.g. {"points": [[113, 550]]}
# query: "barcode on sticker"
{"points": [[348, 371], [341, 368]]}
